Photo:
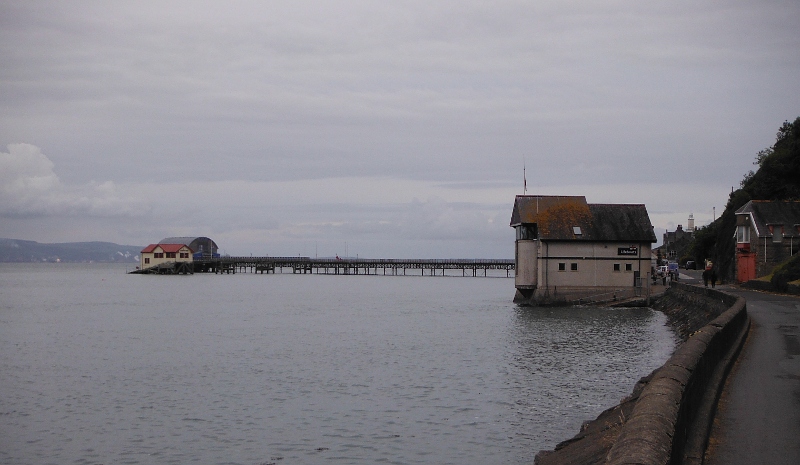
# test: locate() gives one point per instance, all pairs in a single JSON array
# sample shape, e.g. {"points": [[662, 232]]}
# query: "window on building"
{"points": [[629, 267], [743, 233], [170, 254], [777, 234], [184, 255], [573, 266], [147, 260], [616, 267], [527, 232], [158, 255], [562, 267]]}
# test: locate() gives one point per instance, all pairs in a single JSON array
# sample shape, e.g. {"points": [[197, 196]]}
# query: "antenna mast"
{"points": [[524, 178]]}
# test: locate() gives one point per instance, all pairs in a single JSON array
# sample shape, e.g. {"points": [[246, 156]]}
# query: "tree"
{"points": [[777, 178], [778, 175]]}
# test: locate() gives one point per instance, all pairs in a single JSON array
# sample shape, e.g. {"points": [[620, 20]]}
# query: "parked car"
{"points": [[690, 265]]}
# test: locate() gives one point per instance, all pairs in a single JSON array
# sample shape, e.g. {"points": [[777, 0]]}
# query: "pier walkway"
{"points": [[336, 266]]}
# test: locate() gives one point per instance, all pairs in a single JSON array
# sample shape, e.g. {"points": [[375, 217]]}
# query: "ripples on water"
{"points": [[101, 367]]}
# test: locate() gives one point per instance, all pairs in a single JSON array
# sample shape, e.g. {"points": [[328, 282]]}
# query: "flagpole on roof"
{"points": [[524, 178]]}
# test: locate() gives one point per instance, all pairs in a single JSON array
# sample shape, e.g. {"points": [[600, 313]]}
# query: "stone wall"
{"points": [[767, 286], [667, 418]]}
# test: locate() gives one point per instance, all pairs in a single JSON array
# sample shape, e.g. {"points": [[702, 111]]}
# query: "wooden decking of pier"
{"points": [[336, 266]]}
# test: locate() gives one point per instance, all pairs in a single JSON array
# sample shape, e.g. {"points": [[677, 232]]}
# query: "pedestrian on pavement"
{"points": [[705, 278], [713, 277]]}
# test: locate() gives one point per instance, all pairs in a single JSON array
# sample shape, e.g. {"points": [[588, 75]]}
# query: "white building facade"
{"points": [[569, 252]]}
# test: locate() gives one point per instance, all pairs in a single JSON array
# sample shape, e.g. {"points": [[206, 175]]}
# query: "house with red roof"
{"points": [[156, 254]]}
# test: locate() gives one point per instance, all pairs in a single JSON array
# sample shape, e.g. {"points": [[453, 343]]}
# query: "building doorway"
{"points": [[745, 266]]}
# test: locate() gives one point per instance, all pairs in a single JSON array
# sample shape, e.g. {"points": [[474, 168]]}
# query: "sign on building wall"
{"points": [[632, 250]]}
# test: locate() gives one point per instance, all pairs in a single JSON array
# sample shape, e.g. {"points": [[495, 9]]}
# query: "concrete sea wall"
{"points": [[667, 418]]}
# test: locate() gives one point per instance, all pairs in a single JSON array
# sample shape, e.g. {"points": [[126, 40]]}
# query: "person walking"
{"points": [[705, 277]]}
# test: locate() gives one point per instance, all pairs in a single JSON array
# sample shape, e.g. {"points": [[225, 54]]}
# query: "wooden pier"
{"points": [[335, 266]]}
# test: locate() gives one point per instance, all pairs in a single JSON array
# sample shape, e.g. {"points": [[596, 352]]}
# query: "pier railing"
{"points": [[386, 266]]}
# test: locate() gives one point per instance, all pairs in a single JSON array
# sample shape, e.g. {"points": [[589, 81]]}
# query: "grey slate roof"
{"points": [[197, 244], [557, 216], [764, 213]]}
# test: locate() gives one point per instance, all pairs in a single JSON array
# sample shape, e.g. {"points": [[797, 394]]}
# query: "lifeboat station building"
{"points": [[570, 252], [178, 249], [157, 254]]}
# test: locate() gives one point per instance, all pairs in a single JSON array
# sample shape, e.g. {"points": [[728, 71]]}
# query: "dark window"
{"points": [[158, 255], [777, 234], [616, 266], [527, 232], [629, 267], [573, 266], [562, 267], [147, 260]]}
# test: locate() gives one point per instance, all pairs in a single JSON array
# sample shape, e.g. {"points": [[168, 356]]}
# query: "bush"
{"points": [[785, 273]]}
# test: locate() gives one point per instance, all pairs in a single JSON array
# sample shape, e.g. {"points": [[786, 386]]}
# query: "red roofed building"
{"points": [[156, 254]]}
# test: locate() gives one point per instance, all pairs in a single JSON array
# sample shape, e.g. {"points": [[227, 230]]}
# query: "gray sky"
{"points": [[390, 129]]}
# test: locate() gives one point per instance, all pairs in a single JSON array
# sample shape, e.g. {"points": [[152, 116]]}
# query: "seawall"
{"points": [[667, 417]]}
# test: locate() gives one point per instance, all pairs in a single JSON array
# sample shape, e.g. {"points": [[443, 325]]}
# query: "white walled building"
{"points": [[568, 251], [156, 254]]}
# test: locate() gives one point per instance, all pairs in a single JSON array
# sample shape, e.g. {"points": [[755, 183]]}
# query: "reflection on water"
{"points": [[569, 360], [100, 367]]}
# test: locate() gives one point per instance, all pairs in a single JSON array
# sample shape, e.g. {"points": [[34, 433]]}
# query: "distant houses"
{"points": [[676, 243], [177, 249], [767, 234], [570, 251]]}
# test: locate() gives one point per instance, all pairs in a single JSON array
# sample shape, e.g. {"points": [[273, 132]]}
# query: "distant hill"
{"points": [[15, 250]]}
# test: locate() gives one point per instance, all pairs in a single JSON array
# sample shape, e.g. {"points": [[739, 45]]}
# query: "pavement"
{"points": [[758, 415], [684, 276]]}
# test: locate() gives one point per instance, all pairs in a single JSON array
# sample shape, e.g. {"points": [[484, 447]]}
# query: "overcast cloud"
{"points": [[392, 129]]}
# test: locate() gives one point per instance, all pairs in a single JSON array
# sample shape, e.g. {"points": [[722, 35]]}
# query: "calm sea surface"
{"points": [[97, 366]]}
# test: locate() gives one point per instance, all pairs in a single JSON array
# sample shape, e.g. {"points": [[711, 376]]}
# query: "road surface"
{"points": [[758, 416]]}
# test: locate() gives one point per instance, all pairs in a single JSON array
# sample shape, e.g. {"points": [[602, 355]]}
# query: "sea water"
{"points": [[99, 367]]}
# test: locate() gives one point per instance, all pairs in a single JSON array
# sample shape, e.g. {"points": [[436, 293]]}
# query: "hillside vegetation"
{"points": [[786, 273], [777, 178]]}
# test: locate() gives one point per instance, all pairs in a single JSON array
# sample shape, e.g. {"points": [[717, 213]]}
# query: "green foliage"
{"points": [[777, 178], [785, 273], [778, 175], [703, 245]]}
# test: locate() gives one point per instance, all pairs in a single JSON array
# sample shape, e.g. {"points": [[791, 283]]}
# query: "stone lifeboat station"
{"points": [[569, 252]]}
